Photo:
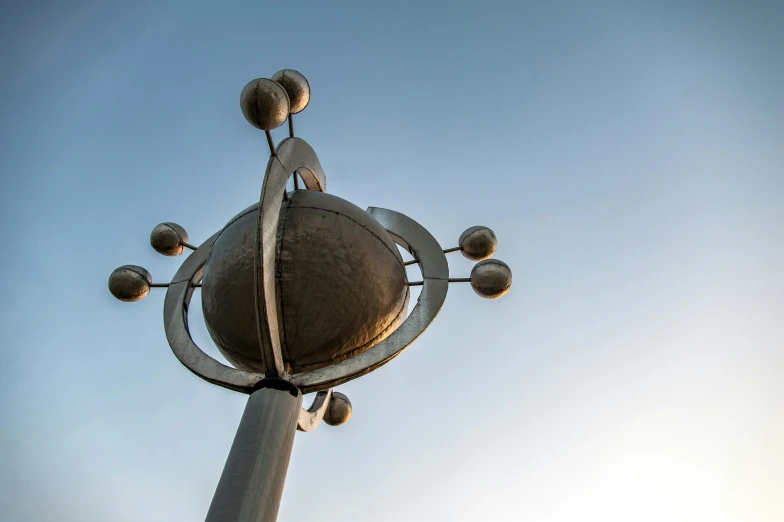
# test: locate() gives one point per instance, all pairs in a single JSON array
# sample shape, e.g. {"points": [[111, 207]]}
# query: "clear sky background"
{"points": [[629, 156]]}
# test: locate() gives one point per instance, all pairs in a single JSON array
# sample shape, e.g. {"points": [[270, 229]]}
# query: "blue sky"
{"points": [[629, 156]]}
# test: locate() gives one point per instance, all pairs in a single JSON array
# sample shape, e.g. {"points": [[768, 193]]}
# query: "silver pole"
{"points": [[251, 485]]}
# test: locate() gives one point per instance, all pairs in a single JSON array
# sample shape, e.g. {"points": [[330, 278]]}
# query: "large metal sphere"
{"points": [[478, 243], [338, 411], [264, 104], [130, 283], [491, 278], [341, 284], [296, 87], [168, 239]]}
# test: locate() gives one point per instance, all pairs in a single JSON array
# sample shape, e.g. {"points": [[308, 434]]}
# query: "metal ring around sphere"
{"points": [[404, 230], [295, 155], [292, 155]]}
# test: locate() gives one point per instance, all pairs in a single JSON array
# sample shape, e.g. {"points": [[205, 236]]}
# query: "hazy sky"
{"points": [[629, 156]]}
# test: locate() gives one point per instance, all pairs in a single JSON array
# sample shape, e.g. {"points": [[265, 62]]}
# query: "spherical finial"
{"points": [[338, 411], [264, 104], [130, 283], [296, 87], [478, 243], [491, 278], [353, 312], [168, 239]]}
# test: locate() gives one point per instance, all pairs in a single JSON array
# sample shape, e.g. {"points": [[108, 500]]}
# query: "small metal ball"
{"points": [[168, 239], [491, 278], [130, 283], [478, 243], [296, 86], [338, 411], [264, 104]]}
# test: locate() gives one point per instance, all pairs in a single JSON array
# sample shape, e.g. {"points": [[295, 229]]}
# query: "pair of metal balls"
{"points": [[490, 278], [132, 283], [266, 103]]}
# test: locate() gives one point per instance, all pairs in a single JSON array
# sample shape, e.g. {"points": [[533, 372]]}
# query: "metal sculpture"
{"points": [[301, 292]]}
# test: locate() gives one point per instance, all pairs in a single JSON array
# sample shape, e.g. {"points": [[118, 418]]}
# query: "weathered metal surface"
{"points": [[421, 244], [251, 485], [491, 278], [264, 104], [130, 283], [228, 294], [341, 281], [168, 239], [296, 86], [340, 284], [478, 243]]}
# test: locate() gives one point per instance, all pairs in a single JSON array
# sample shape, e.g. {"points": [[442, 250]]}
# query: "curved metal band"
{"points": [[175, 312], [435, 271], [405, 231], [175, 318], [292, 155], [310, 418]]}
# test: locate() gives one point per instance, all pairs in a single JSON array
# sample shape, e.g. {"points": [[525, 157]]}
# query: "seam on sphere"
{"points": [[223, 348], [236, 218], [283, 344], [361, 225]]}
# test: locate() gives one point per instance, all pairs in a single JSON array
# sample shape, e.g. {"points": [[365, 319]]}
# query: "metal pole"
{"points": [[251, 484]]}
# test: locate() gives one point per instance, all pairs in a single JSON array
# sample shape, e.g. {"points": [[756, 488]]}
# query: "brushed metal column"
{"points": [[251, 484]]}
